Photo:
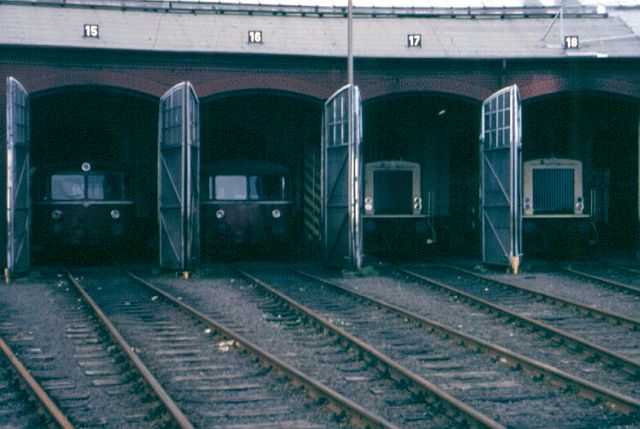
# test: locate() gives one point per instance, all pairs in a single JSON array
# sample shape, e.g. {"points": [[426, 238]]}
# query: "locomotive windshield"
{"points": [[231, 187], [67, 187], [266, 188], [262, 187], [73, 187]]}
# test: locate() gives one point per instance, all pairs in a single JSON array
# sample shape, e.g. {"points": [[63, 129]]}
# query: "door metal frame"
{"points": [[186, 188], [18, 180], [349, 126], [511, 248]]}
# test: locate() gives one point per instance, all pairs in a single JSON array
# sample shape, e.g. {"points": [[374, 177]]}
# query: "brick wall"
{"points": [[42, 70]]}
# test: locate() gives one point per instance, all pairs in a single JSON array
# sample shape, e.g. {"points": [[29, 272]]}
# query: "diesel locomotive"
{"points": [[80, 208], [396, 218], [245, 203], [553, 205]]}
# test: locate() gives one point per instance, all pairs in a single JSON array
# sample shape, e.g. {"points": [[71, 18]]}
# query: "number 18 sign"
{"points": [[571, 42]]}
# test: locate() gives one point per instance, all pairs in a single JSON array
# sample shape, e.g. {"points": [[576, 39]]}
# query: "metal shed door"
{"points": [[500, 183], [18, 201], [178, 178], [342, 175]]}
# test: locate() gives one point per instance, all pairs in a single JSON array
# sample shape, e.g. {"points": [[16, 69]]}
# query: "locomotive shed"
{"points": [[259, 75], [164, 99]]}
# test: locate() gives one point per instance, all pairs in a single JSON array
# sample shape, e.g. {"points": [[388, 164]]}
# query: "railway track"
{"points": [[623, 267], [485, 381], [593, 292], [24, 403], [606, 367], [337, 359], [619, 278], [608, 333], [79, 365], [218, 378], [489, 322]]}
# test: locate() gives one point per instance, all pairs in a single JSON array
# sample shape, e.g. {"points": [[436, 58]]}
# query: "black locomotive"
{"points": [[245, 203], [80, 208], [395, 218]]}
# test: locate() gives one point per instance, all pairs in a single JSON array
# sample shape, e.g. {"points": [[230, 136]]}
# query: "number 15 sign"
{"points": [[91, 31]]}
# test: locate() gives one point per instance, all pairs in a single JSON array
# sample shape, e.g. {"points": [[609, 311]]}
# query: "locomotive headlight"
{"points": [[579, 206], [276, 214], [417, 203], [115, 214], [368, 204], [56, 214], [220, 214]]}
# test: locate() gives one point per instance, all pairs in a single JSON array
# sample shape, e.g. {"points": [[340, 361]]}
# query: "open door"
{"points": [[178, 178], [500, 182], [342, 178], [18, 200]]}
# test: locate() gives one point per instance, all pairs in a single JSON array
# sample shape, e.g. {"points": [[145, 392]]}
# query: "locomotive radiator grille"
{"points": [[553, 190]]}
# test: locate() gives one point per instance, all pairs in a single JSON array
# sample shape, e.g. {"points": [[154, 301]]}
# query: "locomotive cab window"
{"points": [[266, 188], [73, 187], [105, 187], [67, 187], [241, 188], [231, 188]]}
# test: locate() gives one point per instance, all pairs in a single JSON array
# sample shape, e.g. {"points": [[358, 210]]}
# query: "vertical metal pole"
{"points": [[354, 249], [638, 196], [562, 25], [9, 190], [515, 181], [350, 42], [184, 172]]}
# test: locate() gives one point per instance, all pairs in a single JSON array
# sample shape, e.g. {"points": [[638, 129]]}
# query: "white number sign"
{"points": [[255, 36], [571, 42], [414, 40]]}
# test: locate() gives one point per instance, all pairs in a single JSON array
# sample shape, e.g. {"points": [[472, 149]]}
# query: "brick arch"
{"points": [[260, 81], [45, 82], [552, 85], [460, 86]]}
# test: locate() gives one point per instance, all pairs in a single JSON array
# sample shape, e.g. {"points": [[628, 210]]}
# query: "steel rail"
{"points": [[472, 417], [608, 282], [338, 403], [615, 318], [631, 366], [46, 401], [153, 383], [623, 268], [615, 400]]}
